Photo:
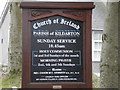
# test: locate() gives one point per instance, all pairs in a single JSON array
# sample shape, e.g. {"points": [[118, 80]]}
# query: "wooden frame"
{"points": [[36, 10]]}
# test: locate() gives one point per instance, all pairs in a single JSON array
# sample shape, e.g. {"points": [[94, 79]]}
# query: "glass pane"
{"points": [[97, 35], [98, 45], [97, 55]]}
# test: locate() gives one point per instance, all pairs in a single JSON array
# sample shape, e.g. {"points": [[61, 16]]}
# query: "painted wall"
{"points": [[99, 13], [4, 38], [0, 46]]}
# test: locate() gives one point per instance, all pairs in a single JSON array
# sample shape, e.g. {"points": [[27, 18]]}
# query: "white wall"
{"points": [[0, 47], [99, 13], [4, 34]]}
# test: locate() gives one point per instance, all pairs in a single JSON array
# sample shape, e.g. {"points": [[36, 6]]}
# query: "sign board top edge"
{"points": [[57, 5]]}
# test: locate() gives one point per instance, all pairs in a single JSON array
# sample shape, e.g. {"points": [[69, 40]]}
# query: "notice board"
{"points": [[56, 45]]}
